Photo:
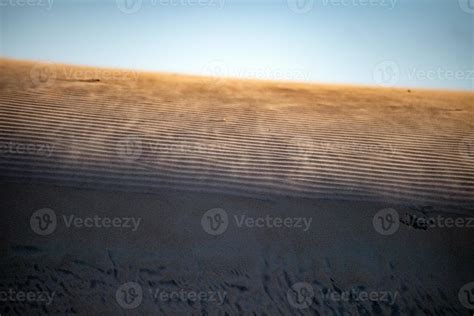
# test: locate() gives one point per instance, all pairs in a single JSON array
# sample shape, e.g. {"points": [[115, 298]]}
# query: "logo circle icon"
{"points": [[386, 73], [215, 221], [467, 6], [217, 70], [43, 222], [300, 295], [466, 147], [301, 148], [386, 222], [43, 74], [129, 6], [129, 295], [300, 6], [299, 152], [466, 295], [130, 148]]}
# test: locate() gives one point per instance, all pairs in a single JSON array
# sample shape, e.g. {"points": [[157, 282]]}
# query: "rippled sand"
{"points": [[166, 149]]}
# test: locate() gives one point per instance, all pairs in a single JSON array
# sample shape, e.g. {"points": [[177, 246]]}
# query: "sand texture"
{"points": [[167, 148]]}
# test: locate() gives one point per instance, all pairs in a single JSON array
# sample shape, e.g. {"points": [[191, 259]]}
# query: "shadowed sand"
{"points": [[144, 131], [167, 148]]}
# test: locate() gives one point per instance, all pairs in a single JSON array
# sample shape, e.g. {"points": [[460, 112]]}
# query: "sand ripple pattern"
{"points": [[240, 137]]}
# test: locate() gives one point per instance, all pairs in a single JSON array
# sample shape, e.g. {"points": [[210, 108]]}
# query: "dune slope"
{"points": [[164, 149], [139, 131]]}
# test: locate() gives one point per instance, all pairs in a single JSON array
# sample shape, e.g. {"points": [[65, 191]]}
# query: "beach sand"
{"points": [[161, 150]]}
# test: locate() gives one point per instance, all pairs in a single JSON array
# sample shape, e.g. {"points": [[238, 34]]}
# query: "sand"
{"points": [[165, 149]]}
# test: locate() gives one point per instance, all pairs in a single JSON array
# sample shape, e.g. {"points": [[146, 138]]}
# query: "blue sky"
{"points": [[407, 43]]}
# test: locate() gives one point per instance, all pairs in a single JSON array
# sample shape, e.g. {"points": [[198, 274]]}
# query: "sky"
{"points": [[400, 43]]}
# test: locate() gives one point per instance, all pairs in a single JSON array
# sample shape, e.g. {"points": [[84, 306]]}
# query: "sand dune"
{"points": [[143, 131], [166, 149]]}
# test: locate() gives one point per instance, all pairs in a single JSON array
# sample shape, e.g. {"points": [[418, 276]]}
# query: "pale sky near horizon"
{"points": [[406, 43]]}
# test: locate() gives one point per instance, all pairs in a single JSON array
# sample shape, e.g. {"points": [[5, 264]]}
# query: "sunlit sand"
{"points": [[167, 148]]}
